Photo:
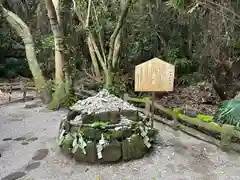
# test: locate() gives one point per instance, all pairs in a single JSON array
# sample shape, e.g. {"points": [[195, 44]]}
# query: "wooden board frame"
{"points": [[154, 75]]}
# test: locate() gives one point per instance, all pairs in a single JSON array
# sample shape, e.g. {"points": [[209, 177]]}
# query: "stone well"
{"points": [[107, 136]]}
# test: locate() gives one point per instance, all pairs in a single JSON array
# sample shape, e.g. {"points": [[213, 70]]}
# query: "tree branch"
{"points": [[88, 13], [96, 50], [116, 30], [52, 15], [100, 37]]}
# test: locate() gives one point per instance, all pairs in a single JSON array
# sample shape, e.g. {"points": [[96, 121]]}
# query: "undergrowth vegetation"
{"points": [[201, 40]]}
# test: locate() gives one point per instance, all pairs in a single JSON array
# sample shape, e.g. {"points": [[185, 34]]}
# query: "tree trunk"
{"points": [[24, 32], [61, 74], [59, 42], [117, 44], [90, 45], [56, 4], [117, 29], [142, 5], [107, 64], [113, 45], [93, 58]]}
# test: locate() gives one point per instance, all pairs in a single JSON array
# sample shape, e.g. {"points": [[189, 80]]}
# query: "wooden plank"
{"points": [[226, 136], [28, 98], [17, 88], [154, 75], [17, 84], [125, 97], [199, 135]]}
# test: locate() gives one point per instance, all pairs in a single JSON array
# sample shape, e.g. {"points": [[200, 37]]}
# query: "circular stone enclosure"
{"points": [[106, 137]]}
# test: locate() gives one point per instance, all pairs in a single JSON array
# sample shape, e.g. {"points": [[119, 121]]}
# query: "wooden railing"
{"points": [[8, 88], [225, 137]]}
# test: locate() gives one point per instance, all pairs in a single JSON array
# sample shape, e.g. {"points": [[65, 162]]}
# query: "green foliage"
{"points": [[178, 4], [66, 144], [58, 96], [99, 125], [204, 117], [112, 135], [118, 87], [12, 55], [189, 41], [45, 55], [229, 113], [51, 85], [70, 97], [191, 78], [13, 67], [179, 62], [69, 100], [63, 96], [156, 132], [47, 42]]}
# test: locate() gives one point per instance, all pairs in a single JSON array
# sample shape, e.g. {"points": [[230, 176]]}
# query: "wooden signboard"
{"points": [[154, 75]]}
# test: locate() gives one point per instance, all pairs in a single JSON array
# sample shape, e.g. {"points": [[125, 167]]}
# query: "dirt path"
{"points": [[29, 151]]}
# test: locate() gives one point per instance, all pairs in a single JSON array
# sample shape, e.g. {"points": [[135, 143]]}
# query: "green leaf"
{"points": [[228, 113], [75, 142], [100, 124], [61, 137], [75, 148], [67, 142], [178, 4]]}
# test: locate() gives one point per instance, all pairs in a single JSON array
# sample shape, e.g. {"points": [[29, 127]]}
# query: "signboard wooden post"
{"points": [[153, 76]]}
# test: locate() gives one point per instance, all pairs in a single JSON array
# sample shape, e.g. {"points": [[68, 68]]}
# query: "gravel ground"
{"points": [[29, 151]]}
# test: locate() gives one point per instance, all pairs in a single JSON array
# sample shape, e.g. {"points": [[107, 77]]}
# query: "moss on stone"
{"points": [[58, 95], [72, 115], [112, 152], [75, 129], [133, 148], [112, 135], [67, 143], [126, 133], [204, 117], [132, 115], [91, 133], [118, 139], [111, 117], [140, 100], [117, 134], [152, 132], [90, 156]]}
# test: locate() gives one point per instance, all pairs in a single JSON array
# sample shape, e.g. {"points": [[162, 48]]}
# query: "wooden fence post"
{"points": [[23, 87], [10, 93], [125, 97], [148, 107], [148, 110], [175, 124], [226, 137]]}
